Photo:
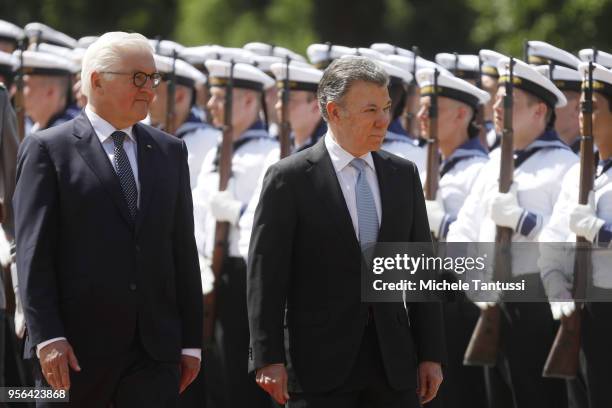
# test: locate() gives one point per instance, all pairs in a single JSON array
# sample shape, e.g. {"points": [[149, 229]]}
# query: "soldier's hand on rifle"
{"points": [[435, 214], [5, 250], [273, 379], [224, 207], [206, 275], [505, 209], [560, 309], [583, 220]]}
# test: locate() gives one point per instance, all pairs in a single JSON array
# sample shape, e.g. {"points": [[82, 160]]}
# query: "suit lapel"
{"points": [[384, 174], [89, 147], [327, 187], [146, 171]]}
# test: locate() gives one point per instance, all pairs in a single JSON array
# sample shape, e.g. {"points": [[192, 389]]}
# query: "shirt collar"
{"points": [[104, 129], [341, 158]]}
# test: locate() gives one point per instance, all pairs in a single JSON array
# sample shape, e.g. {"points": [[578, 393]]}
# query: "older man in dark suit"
{"points": [[107, 263], [318, 208]]}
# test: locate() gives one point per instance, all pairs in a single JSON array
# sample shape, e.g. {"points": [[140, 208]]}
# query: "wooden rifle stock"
{"points": [[222, 228], [483, 347], [285, 126], [433, 155], [563, 359]]}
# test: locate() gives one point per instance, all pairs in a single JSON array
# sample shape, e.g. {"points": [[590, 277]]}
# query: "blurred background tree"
{"points": [[433, 25]]}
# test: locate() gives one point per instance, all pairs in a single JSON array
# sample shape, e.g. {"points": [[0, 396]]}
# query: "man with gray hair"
{"points": [[318, 209], [106, 256]]}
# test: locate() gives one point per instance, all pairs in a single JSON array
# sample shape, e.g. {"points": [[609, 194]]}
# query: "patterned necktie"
{"points": [[366, 208], [124, 171]]}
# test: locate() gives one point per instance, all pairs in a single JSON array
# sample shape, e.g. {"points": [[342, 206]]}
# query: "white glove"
{"points": [[562, 309], [583, 219], [435, 214], [207, 275], [5, 250], [484, 305], [505, 209], [224, 207]]}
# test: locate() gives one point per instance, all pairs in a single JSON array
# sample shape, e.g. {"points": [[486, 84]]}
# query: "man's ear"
{"points": [[333, 111], [96, 82]]}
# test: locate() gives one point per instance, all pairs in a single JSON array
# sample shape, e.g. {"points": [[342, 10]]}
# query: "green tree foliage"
{"points": [[571, 24], [286, 23], [78, 18]]}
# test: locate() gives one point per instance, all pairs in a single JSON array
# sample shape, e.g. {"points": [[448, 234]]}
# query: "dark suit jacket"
{"points": [[304, 252], [86, 271]]}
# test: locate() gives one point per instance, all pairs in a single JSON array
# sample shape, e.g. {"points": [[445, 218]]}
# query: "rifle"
{"points": [[562, 361], [171, 82], [222, 228], [433, 155], [285, 126], [18, 100], [483, 347]]}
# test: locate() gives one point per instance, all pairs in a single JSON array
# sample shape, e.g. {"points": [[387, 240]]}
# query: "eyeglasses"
{"points": [[140, 78]]}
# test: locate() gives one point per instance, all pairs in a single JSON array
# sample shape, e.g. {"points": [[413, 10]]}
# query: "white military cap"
{"points": [[73, 55], [489, 60], [600, 57], [321, 55], [165, 47], [265, 62], [566, 79], [542, 53], [450, 86], [264, 49], [196, 55], [41, 63], [301, 78], [38, 32], [184, 73], [10, 32], [602, 78], [389, 49], [397, 75], [411, 65], [85, 42], [527, 78], [463, 66], [245, 75]]}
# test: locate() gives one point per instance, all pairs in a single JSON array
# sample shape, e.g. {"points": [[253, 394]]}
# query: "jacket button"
{"points": [[132, 287]]}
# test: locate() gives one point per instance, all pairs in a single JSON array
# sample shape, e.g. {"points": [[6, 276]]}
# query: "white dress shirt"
{"points": [[347, 177], [104, 130]]}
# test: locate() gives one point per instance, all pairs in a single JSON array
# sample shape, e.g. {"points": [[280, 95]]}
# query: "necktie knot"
{"points": [[118, 138], [358, 164]]}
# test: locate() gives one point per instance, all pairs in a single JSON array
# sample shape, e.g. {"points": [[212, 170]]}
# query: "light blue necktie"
{"points": [[366, 208]]}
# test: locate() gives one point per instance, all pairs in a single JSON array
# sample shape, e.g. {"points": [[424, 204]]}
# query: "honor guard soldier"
{"points": [[592, 221], [200, 137], [228, 382], [540, 161], [463, 157], [397, 140], [489, 78], [10, 35], [561, 68], [306, 124], [46, 81]]}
